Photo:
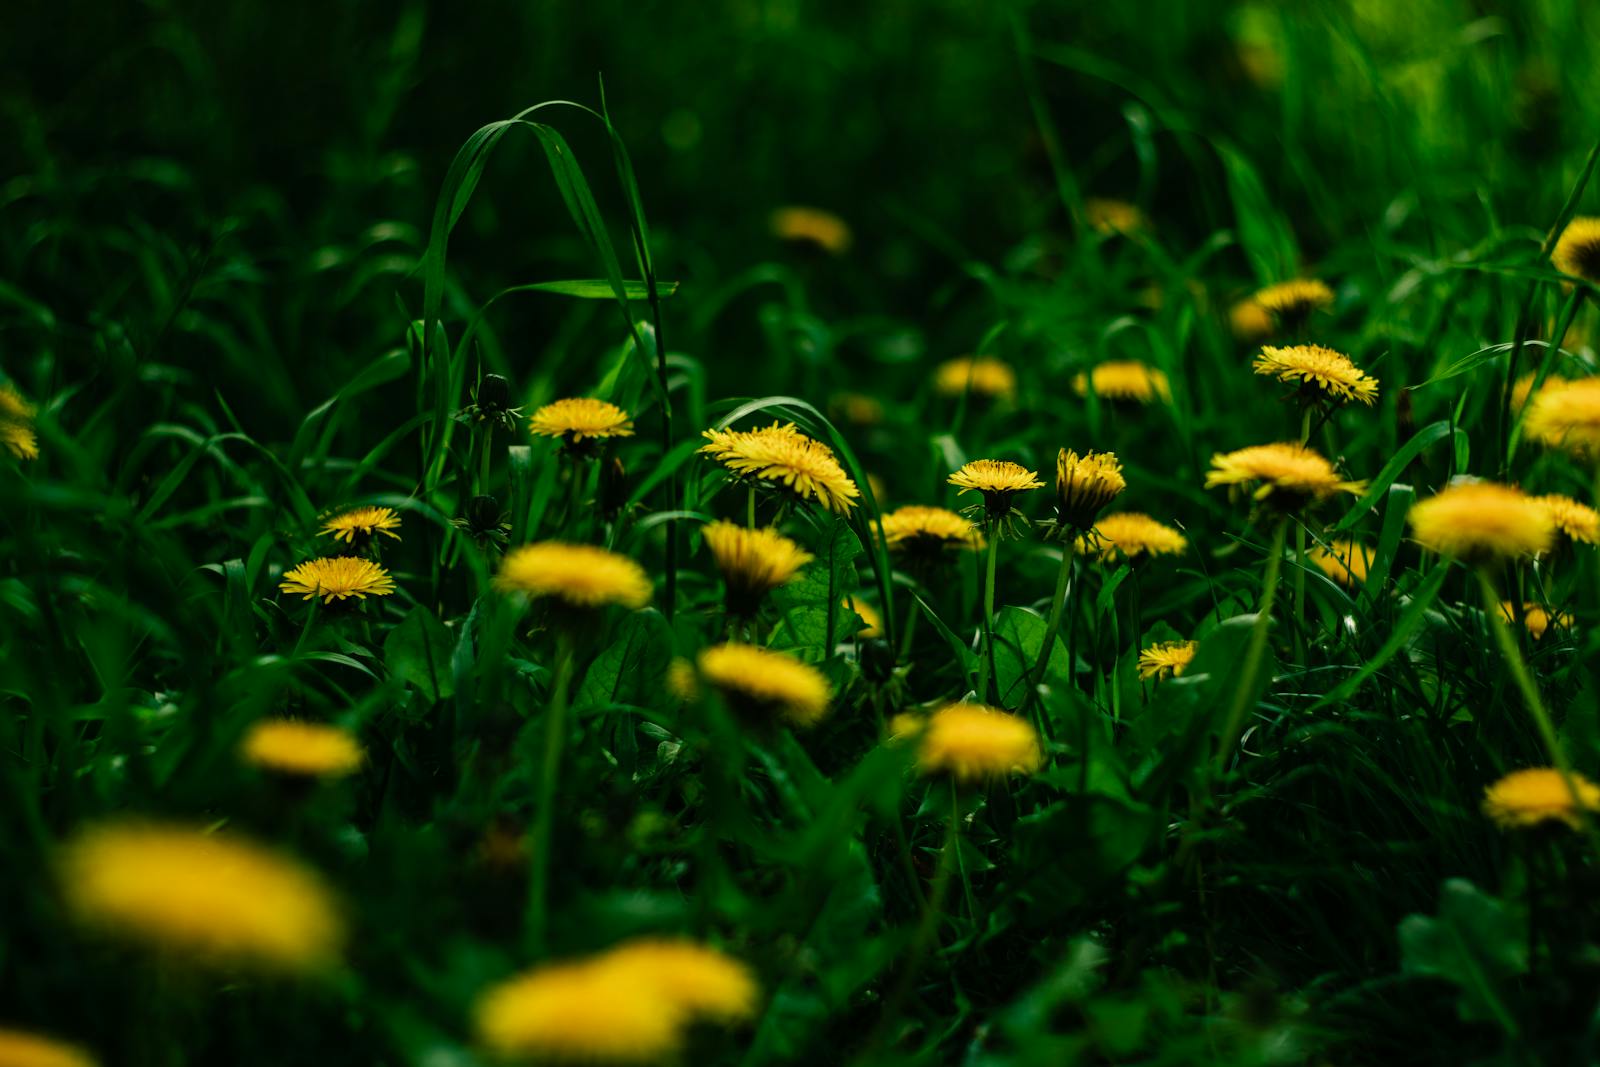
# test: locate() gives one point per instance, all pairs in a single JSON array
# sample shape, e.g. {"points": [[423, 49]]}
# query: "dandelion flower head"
{"points": [[580, 576], [1319, 371], [1539, 794], [784, 456], [337, 578], [1482, 521]]}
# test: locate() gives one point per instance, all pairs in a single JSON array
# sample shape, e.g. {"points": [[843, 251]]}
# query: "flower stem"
{"points": [[555, 736], [750, 508], [987, 662], [1233, 726], [1300, 592], [910, 629], [1057, 603]]}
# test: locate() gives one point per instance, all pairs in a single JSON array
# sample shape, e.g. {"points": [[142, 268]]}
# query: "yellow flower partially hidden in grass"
{"points": [[1577, 250], [1085, 485], [811, 225], [1537, 618], [926, 533], [752, 562], [579, 419], [1536, 795], [1343, 560], [1166, 660], [308, 749], [1482, 521], [983, 376], [337, 578], [1319, 372], [21, 1049], [1287, 475], [1574, 520], [783, 455], [16, 424], [767, 684], [872, 621], [1107, 216], [1124, 380], [1291, 303], [1130, 535], [580, 576], [976, 743], [362, 522], [214, 899], [1566, 415]]}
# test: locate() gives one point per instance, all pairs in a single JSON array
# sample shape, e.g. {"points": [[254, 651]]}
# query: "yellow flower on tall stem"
{"points": [[780, 455], [998, 481]]}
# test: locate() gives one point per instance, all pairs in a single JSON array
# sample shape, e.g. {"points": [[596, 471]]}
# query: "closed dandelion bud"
{"points": [[613, 495], [494, 394], [1085, 485], [483, 513]]}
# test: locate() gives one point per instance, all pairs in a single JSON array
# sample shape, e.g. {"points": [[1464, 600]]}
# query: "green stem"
{"points": [[1300, 592], [1233, 725], [750, 508], [988, 617], [555, 736], [1530, 696], [486, 449], [1305, 425], [1057, 604], [910, 630]]}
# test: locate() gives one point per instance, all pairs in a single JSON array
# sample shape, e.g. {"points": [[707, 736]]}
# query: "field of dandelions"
{"points": [[1058, 553]]}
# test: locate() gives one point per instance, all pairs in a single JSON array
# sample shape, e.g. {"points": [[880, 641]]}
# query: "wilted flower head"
{"points": [[362, 523], [1577, 250], [998, 480], [1288, 476], [1321, 373], [579, 576], [752, 562], [983, 376], [1166, 660], [308, 749], [1565, 414], [1343, 560], [1130, 535], [21, 1049], [1482, 521], [1539, 794], [1536, 617], [766, 684], [814, 226], [1574, 520], [337, 578], [782, 455], [1108, 216], [1085, 485], [976, 743], [17, 434], [212, 898], [1124, 380], [581, 422], [1291, 303], [925, 534]]}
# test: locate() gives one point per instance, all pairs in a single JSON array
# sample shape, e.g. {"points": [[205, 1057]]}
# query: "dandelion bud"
{"points": [[494, 393], [1085, 485]]}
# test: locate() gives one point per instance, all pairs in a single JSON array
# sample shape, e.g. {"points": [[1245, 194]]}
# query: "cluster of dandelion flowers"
{"points": [[1287, 475], [924, 534], [764, 684], [813, 226], [579, 576], [215, 899], [975, 743], [1535, 617], [1537, 795], [1343, 560], [983, 376], [1479, 522], [1291, 303], [1131, 535], [1573, 520], [1320, 373], [1124, 380], [998, 480], [18, 1048], [1565, 414], [752, 562], [1577, 250], [17, 434], [1085, 485], [581, 421], [1166, 660], [337, 578], [633, 1004], [363, 523], [782, 455], [301, 749], [1107, 216]]}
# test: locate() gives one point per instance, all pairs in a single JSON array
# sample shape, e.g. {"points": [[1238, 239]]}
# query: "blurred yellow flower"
{"points": [[212, 898], [580, 576], [925, 533], [577, 419], [702, 981], [1320, 372], [337, 578], [1085, 485], [1574, 520], [782, 454], [21, 1049], [16, 424], [976, 743], [813, 226], [1291, 303], [1130, 535], [1166, 660], [1577, 250], [1288, 475], [764, 683], [872, 621], [1124, 380], [314, 750], [857, 408], [1250, 321], [1106, 216], [1536, 795], [1482, 521], [752, 562], [1565, 414], [1535, 617], [580, 1013], [1343, 560], [362, 522], [983, 376]]}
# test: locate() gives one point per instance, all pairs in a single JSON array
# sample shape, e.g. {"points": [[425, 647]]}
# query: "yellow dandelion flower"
{"points": [[1288, 475], [1343, 560], [1249, 321], [1577, 250], [927, 533], [1166, 660], [580, 1012], [983, 376], [1291, 303], [783, 455], [1536, 617], [1522, 389], [699, 980], [314, 750], [1574, 520], [767, 683], [1124, 380], [857, 408], [580, 576], [362, 522], [1481, 521], [1085, 485], [579, 419], [1108, 216], [752, 562], [21, 1049], [976, 743], [213, 898], [16, 424], [1130, 535], [999, 480], [905, 724], [682, 681], [1566, 415], [872, 621], [814, 226], [1320, 372], [337, 578], [1538, 794]]}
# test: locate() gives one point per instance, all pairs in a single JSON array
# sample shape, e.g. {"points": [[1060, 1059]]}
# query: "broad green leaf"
{"points": [[418, 652]]}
